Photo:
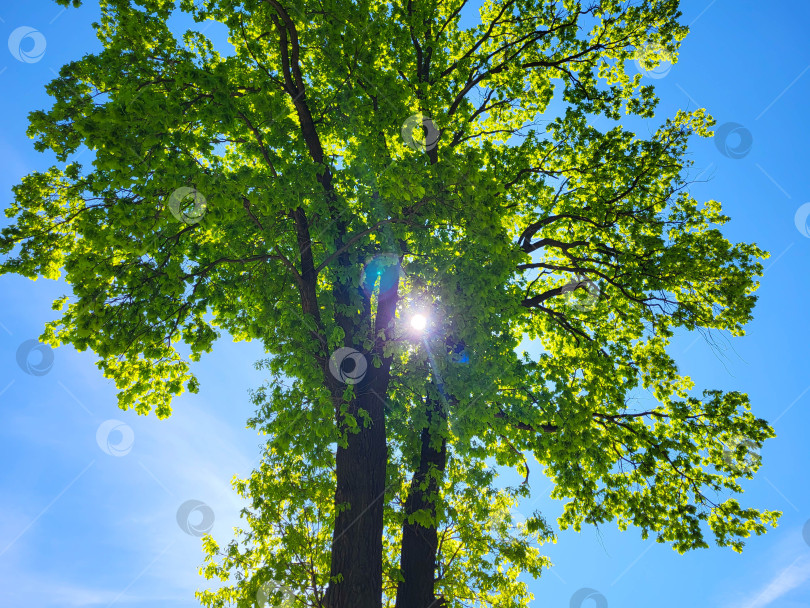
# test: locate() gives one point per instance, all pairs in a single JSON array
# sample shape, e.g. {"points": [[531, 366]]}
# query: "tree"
{"points": [[348, 166]]}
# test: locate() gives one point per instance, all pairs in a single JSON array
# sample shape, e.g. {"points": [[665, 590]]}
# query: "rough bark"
{"points": [[356, 558], [420, 544], [357, 541]]}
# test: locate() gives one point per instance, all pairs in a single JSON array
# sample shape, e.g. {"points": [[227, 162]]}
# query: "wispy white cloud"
{"points": [[787, 580], [122, 553], [192, 455], [44, 592]]}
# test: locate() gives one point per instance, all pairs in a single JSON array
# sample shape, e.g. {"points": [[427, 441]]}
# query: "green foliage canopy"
{"points": [[319, 201]]}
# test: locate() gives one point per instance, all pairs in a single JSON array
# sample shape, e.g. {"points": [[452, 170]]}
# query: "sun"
{"points": [[418, 322]]}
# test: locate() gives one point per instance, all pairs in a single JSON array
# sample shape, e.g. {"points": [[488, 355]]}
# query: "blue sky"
{"points": [[88, 509]]}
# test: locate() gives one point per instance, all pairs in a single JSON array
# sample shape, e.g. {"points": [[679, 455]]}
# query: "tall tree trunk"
{"points": [[357, 547], [357, 541], [420, 544]]}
